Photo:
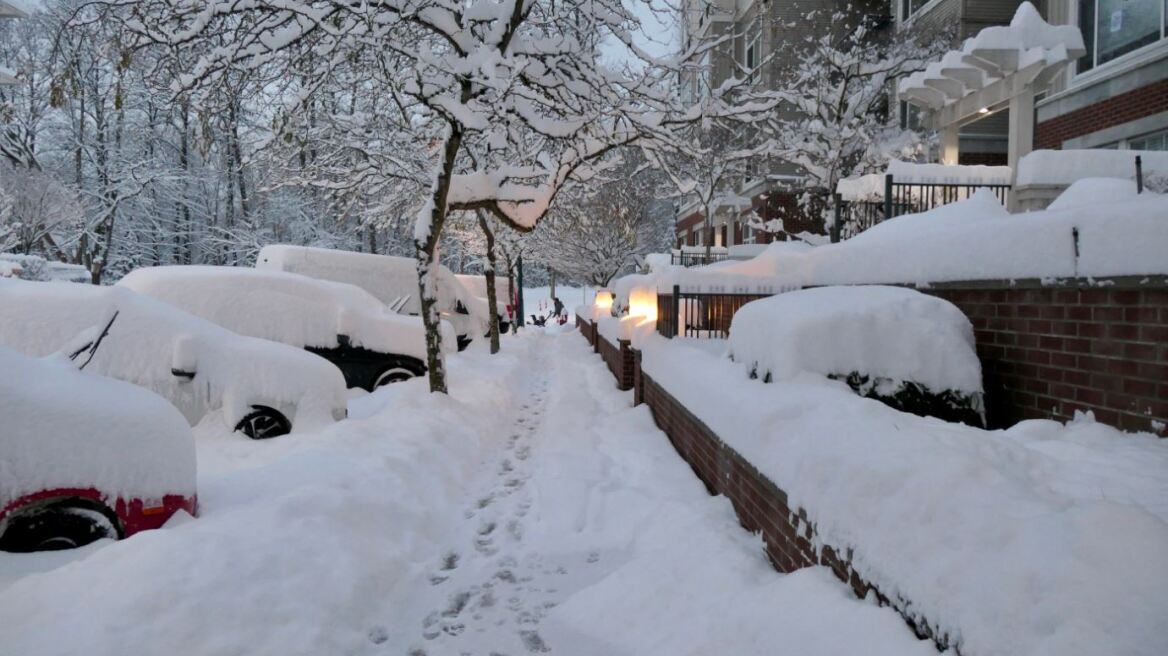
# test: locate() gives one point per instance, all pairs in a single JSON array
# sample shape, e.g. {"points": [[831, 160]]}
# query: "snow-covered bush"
{"points": [[911, 351]]}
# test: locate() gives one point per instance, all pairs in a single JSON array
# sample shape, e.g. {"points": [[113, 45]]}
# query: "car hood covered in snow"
{"points": [[150, 340]]}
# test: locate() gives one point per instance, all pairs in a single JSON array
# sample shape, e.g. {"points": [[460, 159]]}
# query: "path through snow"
{"points": [[534, 511]]}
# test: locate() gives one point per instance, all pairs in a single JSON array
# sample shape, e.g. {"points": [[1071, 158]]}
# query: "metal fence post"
{"points": [[887, 196], [1139, 175], [676, 311], [836, 199]]}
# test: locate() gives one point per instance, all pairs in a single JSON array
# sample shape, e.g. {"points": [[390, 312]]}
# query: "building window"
{"points": [[910, 7], [910, 116], [1157, 141], [1113, 28]]}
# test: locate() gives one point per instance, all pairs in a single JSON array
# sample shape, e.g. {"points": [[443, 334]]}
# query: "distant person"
{"points": [[558, 306]]}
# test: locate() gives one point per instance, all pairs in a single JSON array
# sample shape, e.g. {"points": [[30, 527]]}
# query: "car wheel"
{"points": [[393, 375], [263, 423], [62, 525]]}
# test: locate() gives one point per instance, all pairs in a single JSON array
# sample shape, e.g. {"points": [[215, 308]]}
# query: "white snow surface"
{"points": [[284, 307], [1118, 233], [533, 511], [150, 338], [64, 428], [1043, 539], [887, 332], [1064, 167]]}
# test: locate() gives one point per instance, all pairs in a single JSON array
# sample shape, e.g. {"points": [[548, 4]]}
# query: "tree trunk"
{"points": [[426, 247], [489, 274], [511, 295]]}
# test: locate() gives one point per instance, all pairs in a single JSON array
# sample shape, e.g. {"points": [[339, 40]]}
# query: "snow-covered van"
{"points": [[341, 323], [393, 280], [85, 457], [254, 386]]}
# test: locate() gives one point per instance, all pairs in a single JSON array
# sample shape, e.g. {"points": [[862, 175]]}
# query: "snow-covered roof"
{"points": [[9, 11], [1029, 48]]}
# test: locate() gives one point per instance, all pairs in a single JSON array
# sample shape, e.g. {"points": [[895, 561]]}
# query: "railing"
{"points": [[900, 198], [695, 259], [701, 314]]}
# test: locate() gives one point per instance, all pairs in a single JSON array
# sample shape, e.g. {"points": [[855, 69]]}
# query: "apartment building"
{"points": [[757, 32], [8, 11], [1115, 95]]}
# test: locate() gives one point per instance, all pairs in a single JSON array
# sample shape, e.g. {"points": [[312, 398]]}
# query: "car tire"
{"points": [[60, 525], [264, 423], [395, 374]]}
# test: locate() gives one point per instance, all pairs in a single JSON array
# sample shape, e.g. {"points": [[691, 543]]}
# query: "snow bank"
{"points": [[64, 428], [1045, 539], [887, 332], [32, 267], [149, 339], [284, 307], [1064, 167]]}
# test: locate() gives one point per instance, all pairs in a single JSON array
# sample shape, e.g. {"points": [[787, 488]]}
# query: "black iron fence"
{"points": [[699, 314], [900, 198], [695, 259]]}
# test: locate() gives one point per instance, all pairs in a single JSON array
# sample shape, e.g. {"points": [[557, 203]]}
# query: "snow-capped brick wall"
{"points": [[588, 329], [761, 506], [619, 358], [1047, 352], [1118, 109]]}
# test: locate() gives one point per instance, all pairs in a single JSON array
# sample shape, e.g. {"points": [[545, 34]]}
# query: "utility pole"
{"points": [[519, 288]]}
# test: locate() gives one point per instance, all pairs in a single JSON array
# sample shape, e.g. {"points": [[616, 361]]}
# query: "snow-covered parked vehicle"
{"points": [[393, 280], [255, 386], [84, 457], [347, 326], [911, 351]]}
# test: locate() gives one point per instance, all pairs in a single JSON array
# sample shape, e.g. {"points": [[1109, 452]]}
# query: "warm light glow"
{"points": [[643, 302], [603, 300], [983, 110]]}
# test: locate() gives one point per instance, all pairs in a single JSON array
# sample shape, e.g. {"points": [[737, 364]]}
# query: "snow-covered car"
{"points": [[85, 457], [393, 280], [371, 345], [257, 387]]}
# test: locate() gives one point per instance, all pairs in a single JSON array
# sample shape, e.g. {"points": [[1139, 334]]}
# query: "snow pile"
{"points": [[892, 333], [1045, 539], [64, 428], [1064, 167], [1094, 191], [870, 187], [284, 307], [658, 261], [390, 279], [32, 267], [149, 339], [978, 239]]}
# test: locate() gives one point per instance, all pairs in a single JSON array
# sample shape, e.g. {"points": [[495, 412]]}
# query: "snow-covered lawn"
{"points": [[532, 511]]}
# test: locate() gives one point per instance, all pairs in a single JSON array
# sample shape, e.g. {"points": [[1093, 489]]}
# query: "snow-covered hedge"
{"points": [[64, 428], [912, 351]]}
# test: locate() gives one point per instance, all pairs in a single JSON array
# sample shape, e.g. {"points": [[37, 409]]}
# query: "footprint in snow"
{"points": [[533, 642]]}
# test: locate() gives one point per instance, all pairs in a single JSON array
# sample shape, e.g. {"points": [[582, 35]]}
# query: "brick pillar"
{"points": [[638, 382]]}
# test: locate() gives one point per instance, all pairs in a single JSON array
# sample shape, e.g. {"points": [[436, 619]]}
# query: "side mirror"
{"points": [[183, 357]]}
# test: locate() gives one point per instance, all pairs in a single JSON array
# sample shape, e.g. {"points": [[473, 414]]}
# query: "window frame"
{"points": [[1092, 57]]}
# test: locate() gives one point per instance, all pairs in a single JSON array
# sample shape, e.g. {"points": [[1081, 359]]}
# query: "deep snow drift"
{"points": [[532, 511]]}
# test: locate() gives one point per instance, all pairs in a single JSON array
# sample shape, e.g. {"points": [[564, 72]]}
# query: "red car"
{"points": [[86, 457]]}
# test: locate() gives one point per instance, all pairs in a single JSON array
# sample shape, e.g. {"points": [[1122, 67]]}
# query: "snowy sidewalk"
{"points": [[533, 512]]}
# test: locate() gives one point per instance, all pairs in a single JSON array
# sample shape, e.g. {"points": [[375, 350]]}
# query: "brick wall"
{"points": [[619, 359], [761, 506], [1048, 351], [1116, 110]]}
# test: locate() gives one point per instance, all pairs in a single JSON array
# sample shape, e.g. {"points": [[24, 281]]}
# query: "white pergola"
{"points": [[8, 11], [1002, 67]]}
